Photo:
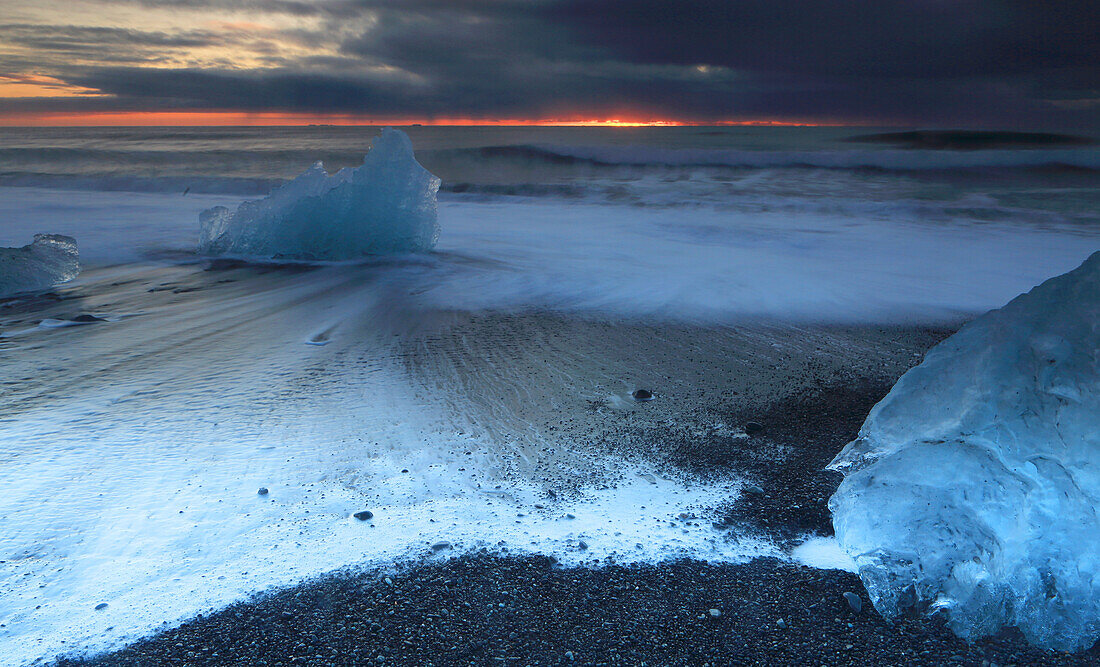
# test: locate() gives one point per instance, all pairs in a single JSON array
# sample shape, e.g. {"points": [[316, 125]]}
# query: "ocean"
{"points": [[786, 222], [478, 397]]}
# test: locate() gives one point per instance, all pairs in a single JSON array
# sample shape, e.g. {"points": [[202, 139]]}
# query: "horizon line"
{"points": [[283, 119]]}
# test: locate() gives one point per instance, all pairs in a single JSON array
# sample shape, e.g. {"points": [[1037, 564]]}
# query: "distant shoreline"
{"points": [[972, 139]]}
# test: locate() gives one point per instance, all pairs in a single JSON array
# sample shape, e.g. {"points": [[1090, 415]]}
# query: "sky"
{"points": [[1008, 64]]}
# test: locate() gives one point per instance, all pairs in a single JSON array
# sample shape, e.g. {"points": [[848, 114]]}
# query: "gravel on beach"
{"points": [[493, 610]]}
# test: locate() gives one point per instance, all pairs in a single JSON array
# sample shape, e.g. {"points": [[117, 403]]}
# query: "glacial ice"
{"points": [[50, 259], [973, 488], [385, 206]]}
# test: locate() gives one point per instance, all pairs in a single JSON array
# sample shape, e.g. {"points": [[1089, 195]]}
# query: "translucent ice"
{"points": [[973, 487], [387, 205], [49, 260]]}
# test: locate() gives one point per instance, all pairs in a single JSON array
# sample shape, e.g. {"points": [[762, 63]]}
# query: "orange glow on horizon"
{"points": [[270, 118], [22, 86]]}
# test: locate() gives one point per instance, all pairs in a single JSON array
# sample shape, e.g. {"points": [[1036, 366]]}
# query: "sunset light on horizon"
{"points": [[276, 119]]}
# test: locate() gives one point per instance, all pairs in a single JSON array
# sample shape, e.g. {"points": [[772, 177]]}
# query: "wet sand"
{"points": [[809, 388], [767, 404]]}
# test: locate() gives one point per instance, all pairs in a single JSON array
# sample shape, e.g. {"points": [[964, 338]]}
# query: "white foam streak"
{"points": [[823, 553], [844, 262], [713, 264]]}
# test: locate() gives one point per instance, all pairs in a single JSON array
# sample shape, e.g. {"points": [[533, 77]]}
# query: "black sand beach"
{"points": [[807, 389], [496, 610]]}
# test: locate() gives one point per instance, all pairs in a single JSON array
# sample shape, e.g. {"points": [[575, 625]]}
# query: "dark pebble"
{"points": [[364, 515], [752, 428], [262, 491], [101, 606], [853, 601], [642, 395]]}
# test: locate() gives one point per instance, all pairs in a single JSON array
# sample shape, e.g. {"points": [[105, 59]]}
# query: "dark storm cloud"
{"points": [[965, 59], [913, 38], [916, 61], [486, 97], [183, 89], [850, 59], [93, 40]]}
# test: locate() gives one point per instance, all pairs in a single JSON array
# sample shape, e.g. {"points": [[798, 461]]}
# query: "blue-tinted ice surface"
{"points": [[385, 206], [50, 259], [973, 487]]}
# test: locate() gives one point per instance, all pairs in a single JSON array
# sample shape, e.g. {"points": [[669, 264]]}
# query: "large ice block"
{"points": [[973, 487], [50, 259], [385, 206]]}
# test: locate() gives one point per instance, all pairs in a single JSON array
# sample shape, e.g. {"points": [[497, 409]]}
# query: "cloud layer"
{"points": [[1005, 63]]}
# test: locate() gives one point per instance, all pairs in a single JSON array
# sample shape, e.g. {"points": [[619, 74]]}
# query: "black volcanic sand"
{"points": [[560, 390], [808, 388], [493, 610]]}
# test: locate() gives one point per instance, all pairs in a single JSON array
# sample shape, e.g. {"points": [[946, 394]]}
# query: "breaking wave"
{"points": [[523, 169], [886, 160]]}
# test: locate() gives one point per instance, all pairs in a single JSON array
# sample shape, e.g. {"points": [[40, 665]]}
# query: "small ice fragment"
{"points": [[51, 323], [50, 259]]}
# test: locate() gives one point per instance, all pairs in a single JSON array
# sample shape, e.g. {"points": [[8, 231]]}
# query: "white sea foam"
{"points": [[844, 262], [823, 553]]}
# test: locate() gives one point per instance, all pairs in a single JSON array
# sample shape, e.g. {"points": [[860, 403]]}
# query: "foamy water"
{"points": [[838, 261]]}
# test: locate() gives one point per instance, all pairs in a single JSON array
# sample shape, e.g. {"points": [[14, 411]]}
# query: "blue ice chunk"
{"points": [[973, 488], [386, 206], [50, 259]]}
